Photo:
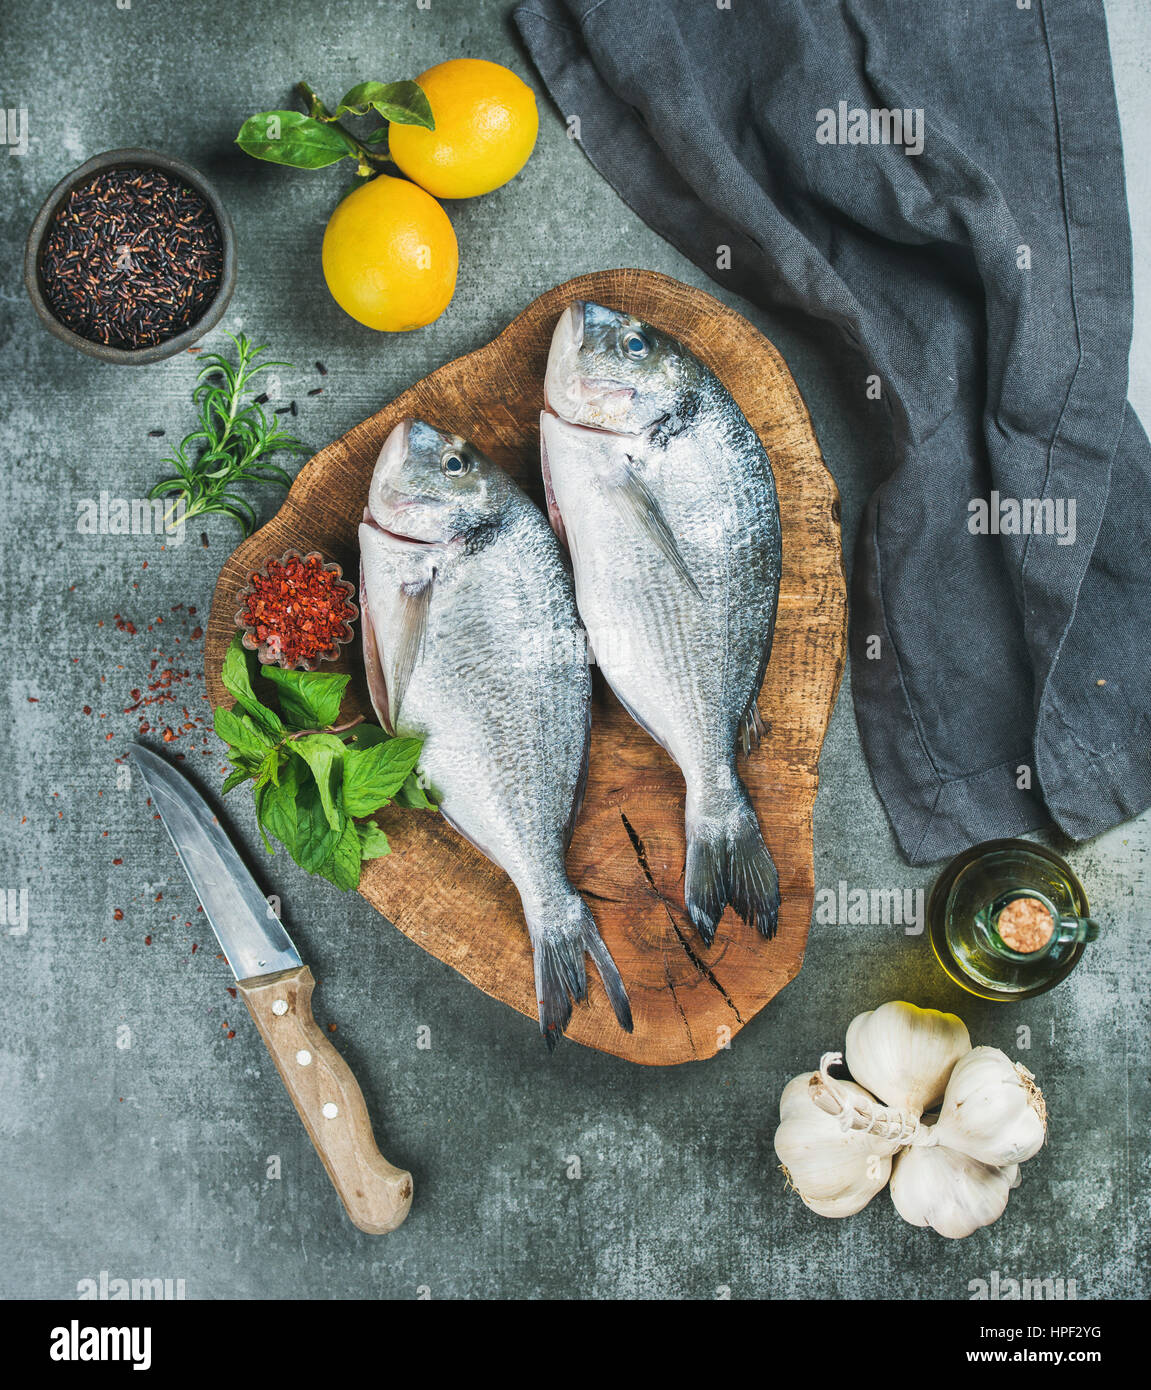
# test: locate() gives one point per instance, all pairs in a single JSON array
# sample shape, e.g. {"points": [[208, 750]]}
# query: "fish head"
{"points": [[433, 488], [611, 371]]}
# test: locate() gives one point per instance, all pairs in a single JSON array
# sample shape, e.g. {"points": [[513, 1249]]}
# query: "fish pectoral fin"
{"points": [[751, 728], [373, 666], [637, 502], [415, 599]]}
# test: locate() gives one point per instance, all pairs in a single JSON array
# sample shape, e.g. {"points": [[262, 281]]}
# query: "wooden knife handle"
{"points": [[377, 1196]]}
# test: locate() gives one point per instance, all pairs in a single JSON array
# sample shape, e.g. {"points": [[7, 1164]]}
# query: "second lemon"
{"points": [[390, 255]]}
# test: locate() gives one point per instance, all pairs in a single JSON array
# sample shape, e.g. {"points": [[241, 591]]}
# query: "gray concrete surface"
{"points": [[152, 1159]]}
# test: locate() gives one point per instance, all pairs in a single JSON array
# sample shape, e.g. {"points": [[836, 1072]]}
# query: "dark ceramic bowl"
{"points": [[131, 159]]}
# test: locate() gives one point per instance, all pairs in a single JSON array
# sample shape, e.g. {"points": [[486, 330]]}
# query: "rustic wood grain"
{"points": [[628, 852]]}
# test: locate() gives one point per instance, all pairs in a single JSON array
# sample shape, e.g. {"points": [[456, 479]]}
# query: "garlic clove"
{"points": [[795, 1099], [835, 1170], [904, 1054], [992, 1109], [949, 1191]]}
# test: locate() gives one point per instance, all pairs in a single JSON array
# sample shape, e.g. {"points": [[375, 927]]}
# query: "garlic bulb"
{"points": [[904, 1054], [992, 1109], [835, 1170], [951, 1192]]}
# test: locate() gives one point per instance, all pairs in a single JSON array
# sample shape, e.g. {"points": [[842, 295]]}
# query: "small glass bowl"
{"points": [[268, 650]]}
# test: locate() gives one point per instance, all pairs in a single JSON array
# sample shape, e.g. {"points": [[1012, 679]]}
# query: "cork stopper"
{"points": [[1025, 925]]}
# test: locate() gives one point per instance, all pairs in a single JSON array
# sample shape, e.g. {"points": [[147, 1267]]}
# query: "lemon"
{"points": [[486, 126], [390, 255]]}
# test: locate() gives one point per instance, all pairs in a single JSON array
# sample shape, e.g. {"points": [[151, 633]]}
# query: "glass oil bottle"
{"points": [[1008, 920]]}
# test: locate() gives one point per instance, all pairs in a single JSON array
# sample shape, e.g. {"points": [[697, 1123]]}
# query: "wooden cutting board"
{"points": [[627, 856]]}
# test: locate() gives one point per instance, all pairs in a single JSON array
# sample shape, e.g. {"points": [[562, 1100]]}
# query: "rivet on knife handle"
{"points": [[328, 1097]]}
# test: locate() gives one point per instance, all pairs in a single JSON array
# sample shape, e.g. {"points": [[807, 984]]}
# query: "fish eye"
{"points": [[454, 465], [635, 344]]}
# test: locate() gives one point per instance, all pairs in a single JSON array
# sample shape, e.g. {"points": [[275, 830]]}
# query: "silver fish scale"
{"points": [[500, 694], [686, 665]]}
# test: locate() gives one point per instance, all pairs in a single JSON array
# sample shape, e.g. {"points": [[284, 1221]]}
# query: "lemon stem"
{"points": [[368, 161]]}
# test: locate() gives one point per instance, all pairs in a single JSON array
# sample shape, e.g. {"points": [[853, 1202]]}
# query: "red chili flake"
{"points": [[33, 700], [231, 1032], [117, 861], [191, 610], [147, 941], [231, 991], [118, 915], [195, 944], [298, 608], [197, 633], [87, 709], [331, 1027], [158, 897], [168, 735]]}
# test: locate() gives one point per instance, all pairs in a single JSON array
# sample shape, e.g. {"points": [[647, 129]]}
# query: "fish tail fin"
{"points": [[560, 938], [728, 862]]}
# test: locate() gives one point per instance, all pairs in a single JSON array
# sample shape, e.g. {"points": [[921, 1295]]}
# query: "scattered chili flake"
{"points": [[331, 1027], [231, 1032], [197, 633], [231, 991], [118, 915], [147, 941], [297, 610], [33, 699], [195, 944], [316, 391], [169, 735], [117, 861], [87, 709]]}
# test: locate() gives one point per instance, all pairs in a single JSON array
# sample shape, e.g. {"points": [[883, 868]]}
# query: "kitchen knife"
{"points": [[277, 987]]}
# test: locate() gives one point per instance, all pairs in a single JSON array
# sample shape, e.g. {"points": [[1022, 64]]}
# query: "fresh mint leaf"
{"points": [[403, 102], [342, 866], [237, 678], [290, 137], [373, 841], [234, 778], [298, 820], [241, 735], [324, 754], [308, 699], [372, 777], [413, 796]]}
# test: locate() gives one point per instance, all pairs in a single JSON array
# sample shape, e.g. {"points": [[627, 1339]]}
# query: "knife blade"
{"points": [[277, 988]]}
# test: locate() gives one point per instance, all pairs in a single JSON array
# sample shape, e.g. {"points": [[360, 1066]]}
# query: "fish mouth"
{"points": [[391, 534], [571, 396]]}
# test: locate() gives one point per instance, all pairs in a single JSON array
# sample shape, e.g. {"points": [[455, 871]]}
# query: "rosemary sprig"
{"points": [[235, 438]]}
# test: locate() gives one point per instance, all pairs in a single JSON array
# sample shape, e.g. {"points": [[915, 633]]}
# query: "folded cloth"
{"points": [[977, 252]]}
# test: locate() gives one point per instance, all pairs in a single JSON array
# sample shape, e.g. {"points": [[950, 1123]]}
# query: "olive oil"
{"points": [[1008, 920]]}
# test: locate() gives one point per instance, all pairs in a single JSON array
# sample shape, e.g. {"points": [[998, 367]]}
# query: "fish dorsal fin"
{"points": [[637, 502], [415, 599]]}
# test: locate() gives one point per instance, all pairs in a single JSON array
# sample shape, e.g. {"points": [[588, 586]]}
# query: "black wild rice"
{"points": [[132, 258]]}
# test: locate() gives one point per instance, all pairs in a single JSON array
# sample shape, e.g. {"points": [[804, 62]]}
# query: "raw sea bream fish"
{"points": [[665, 498], [473, 644]]}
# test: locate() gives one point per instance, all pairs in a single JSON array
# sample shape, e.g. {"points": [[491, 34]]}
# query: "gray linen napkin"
{"points": [[979, 260]]}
